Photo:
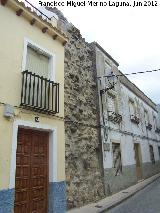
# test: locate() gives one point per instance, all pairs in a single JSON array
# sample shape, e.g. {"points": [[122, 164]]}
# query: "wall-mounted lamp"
{"points": [[112, 79]]}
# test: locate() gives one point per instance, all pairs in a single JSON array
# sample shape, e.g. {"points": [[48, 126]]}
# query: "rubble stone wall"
{"points": [[84, 177]]}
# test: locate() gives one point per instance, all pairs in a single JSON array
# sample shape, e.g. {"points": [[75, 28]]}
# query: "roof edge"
{"points": [[107, 54], [141, 94], [28, 10]]}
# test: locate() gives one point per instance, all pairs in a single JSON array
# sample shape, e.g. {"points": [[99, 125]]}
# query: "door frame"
{"points": [[52, 148]]}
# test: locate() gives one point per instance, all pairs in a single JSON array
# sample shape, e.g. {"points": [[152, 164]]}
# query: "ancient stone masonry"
{"points": [[83, 164]]}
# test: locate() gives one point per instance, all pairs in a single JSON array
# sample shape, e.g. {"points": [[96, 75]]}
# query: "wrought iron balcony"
{"points": [[148, 126], [157, 130], [114, 117], [135, 119], [39, 94]]}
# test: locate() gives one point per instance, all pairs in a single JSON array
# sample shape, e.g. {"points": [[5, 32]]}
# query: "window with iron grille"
{"points": [[132, 107], [111, 103], [108, 69], [37, 62], [155, 122], [107, 72], [39, 92], [146, 117]]}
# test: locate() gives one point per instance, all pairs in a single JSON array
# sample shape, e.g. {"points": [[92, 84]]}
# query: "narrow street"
{"points": [[145, 201]]}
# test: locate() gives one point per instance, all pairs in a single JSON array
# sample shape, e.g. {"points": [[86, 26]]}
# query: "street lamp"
{"points": [[112, 80]]}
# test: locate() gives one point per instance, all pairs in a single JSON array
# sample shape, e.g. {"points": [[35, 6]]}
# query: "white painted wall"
{"points": [[116, 131]]}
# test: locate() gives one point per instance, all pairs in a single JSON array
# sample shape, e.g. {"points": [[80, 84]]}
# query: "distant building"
{"points": [[112, 141], [32, 152], [130, 134]]}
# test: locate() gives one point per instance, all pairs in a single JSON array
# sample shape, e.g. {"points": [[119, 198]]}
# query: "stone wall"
{"points": [[84, 176]]}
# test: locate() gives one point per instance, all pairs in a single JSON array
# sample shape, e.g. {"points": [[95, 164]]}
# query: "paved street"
{"points": [[145, 201]]}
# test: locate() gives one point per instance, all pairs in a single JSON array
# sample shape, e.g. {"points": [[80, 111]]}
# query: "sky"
{"points": [[131, 35]]}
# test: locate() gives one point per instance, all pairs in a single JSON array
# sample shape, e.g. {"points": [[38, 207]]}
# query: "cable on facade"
{"points": [[91, 126], [133, 73], [21, 108]]}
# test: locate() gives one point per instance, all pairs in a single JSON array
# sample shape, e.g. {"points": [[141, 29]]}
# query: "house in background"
{"points": [[32, 153], [131, 127]]}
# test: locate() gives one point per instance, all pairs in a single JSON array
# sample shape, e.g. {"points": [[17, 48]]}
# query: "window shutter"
{"points": [[146, 116], [131, 107], [111, 103], [108, 69], [37, 62]]}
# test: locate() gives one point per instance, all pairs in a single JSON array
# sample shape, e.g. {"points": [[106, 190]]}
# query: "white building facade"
{"points": [[130, 127]]}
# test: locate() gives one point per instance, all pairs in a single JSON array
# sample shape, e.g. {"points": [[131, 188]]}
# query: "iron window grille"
{"points": [[135, 119], [149, 126], [114, 117], [39, 93], [157, 130]]}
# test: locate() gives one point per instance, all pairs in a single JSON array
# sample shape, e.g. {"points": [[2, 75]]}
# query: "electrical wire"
{"points": [[133, 73]]}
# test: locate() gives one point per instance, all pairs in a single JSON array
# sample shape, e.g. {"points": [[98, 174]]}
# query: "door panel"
{"points": [[31, 172]]}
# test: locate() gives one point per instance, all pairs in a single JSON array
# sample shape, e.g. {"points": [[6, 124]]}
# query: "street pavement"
{"points": [[145, 201]]}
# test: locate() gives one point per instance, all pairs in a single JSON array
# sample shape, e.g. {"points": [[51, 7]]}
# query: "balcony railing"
{"points": [[35, 10], [135, 119], [157, 130], [114, 117], [39, 93]]}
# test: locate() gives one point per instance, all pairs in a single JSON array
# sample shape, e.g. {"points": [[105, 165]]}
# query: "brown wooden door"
{"points": [[138, 161], [31, 190]]}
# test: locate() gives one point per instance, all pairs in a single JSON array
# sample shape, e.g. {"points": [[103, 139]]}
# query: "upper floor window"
{"points": [[132, 107], [146, 117], [111, 103], [108, 69], [39, 90], [37, 62], [107, 72], [155, 122], [147, 122], [133, 112]]}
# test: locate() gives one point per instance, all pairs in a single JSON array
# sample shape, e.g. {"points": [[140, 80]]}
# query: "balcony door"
{"points": [[37, 62]]}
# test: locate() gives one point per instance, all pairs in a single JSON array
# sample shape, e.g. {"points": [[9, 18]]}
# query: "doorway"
{"points": [[138, 160], [31, 188]]}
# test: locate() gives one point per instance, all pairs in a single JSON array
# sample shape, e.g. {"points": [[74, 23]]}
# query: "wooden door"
{"points": [[31, 188], [138, 161]]}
